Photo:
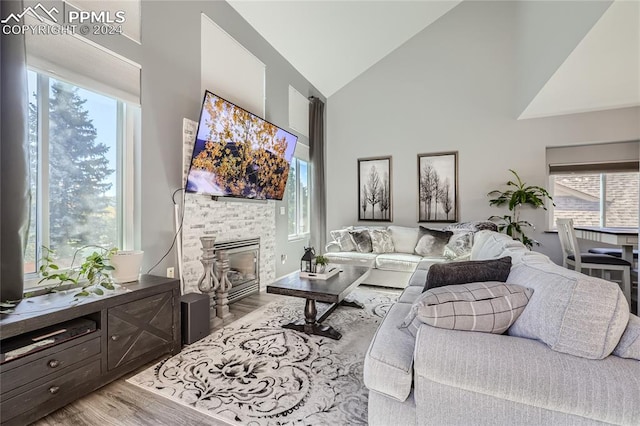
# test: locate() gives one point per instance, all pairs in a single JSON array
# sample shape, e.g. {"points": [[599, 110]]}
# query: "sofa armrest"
{"points": [[332, 247], [526, 373], [389, 360]]}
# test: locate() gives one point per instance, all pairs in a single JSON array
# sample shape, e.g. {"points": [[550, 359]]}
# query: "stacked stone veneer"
{"points": [[226, 221]]}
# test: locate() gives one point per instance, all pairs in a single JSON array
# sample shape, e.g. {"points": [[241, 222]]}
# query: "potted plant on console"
{"points": [[517, 195]]}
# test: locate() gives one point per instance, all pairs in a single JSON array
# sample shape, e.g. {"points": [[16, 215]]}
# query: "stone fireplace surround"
{"points": [[226, 221]]}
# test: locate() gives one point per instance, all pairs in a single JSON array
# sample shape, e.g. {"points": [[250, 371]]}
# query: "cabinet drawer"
{"points": [[139, 328], [59, 388], [49, 364]]}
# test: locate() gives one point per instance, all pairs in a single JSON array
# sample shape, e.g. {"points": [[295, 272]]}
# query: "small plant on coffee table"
{"points": [[321, 262]]}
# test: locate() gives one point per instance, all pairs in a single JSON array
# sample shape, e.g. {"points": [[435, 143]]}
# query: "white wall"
{"points": [[455, 87]]}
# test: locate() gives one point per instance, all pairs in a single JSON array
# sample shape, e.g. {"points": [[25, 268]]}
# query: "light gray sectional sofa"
{"points": [[568, 358], [394, 268]]}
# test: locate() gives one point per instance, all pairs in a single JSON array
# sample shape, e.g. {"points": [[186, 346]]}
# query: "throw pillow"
{"points": [[489, 307], [431, 242], [381, 241], [344, 240], [362, 240], [442, 274], [459, 246], [629, 345], [473, 226]]}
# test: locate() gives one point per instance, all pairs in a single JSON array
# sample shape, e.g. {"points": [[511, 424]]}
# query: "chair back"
{"points": [[568, 242]]}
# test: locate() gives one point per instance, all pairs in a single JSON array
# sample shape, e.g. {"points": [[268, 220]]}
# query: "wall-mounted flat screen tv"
{"points": [[238, 154]]}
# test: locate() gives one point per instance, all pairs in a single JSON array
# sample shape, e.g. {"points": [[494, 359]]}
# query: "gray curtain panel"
{"points": [[318, 192], [14, 171]]}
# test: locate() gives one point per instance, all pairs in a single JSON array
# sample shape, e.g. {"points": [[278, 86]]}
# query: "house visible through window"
{"points": [[596, 199], [76, 169], [298, 198]]}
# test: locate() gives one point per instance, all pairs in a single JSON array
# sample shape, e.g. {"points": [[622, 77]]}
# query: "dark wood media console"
{"points": [[133, 327]]}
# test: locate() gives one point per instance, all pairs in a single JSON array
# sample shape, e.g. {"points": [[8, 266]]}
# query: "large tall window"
{"points": [[596, 199], [298, 198], [77, 152]]}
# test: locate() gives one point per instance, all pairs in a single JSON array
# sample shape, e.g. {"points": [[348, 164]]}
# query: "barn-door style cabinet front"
{"points": [[54, 351]]}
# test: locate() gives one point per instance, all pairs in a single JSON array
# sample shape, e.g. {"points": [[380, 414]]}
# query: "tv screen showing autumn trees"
{"points": [[238, 154]]}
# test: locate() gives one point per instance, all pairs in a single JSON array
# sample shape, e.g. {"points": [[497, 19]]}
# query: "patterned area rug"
{"points": [[253, 372]]}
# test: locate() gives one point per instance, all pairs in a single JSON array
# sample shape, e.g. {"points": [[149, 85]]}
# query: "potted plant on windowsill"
{"points": [[92, 275], [517, 195]]}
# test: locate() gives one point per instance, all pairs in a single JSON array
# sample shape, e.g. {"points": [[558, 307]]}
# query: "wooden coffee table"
{"points": [[334, 290]]}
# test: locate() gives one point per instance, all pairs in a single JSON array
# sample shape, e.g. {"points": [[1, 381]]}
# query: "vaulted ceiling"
{"points": [[333, 42]]}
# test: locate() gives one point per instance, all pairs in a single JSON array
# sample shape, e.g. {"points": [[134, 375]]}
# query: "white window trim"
{"points": [[305, 235], [551, 226], [128, 130]]}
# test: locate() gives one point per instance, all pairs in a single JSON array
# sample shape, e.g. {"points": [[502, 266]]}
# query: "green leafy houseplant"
{"points": [[92, 275], [321, 262], [517, 195]]}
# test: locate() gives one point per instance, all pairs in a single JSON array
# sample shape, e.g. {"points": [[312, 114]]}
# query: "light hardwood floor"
{"points": [[122, 404]]}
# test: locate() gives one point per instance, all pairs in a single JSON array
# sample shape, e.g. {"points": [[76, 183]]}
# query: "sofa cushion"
{"points": [[388, 364], [352, 258], [490, 307], [404, 238], [381, 241], [343, 238], [492, 245], [431, 242], [459, 246], [410, 294], [362, 240], [569, 311], [512, 381], [468, 272], [629, 345], [397, 262]]}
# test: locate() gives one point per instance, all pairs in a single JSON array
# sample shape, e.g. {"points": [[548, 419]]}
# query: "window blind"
{"points": [[302, 151], [594, 158], [84, 63], [298, 112]]}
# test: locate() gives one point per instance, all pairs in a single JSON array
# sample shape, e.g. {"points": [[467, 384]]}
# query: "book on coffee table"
{"points": [[328, 273]]}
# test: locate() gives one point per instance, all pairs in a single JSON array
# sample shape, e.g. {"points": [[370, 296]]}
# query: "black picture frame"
{"points": [[438, 187], [375, 189]]}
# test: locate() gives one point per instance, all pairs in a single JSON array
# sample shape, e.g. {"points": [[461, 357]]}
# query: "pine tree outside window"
{"points": [[78, 158]]}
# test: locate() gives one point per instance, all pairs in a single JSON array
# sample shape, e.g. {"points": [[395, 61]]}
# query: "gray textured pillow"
{"points": [[362, 240], [459, 246], [489, 307], [381, 241], [431, 242], [344, 240], [473, 226], [629, 345], [442, 274]]}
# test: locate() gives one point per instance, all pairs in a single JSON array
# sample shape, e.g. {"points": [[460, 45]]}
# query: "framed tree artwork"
{"points": [[374, 189], [438, 187]]}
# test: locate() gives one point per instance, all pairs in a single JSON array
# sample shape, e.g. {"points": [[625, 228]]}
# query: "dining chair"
{"points": [[603, 262], [617, 252]]}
